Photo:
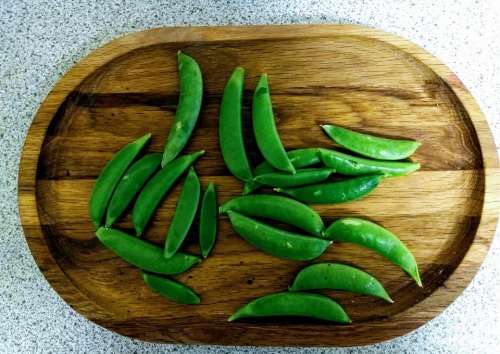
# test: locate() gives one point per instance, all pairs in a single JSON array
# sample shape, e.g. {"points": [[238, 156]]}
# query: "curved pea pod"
{"points": [[300, 178], [130, 184], [371, 146], [208, 221], [334, 192], [299, 158], [376, 238], [110, 176], [232, 146], [277, 242], [336, 276], [144, 255], [170, 289], [188, 107], [156, 189], [264, 126], [293, 304], [354, 166], [277, 208], [184, 214]]}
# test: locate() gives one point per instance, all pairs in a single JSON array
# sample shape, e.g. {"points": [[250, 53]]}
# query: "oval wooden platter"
{"points": [[349, 75]]}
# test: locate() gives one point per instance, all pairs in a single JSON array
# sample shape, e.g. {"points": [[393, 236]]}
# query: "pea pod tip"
{"points": [[418, 280], [168, 254]]}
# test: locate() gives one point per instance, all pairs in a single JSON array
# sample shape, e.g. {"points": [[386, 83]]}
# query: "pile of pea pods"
{"points": [[298, 177]]}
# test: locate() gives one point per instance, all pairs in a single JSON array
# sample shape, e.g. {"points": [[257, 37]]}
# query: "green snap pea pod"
{"points": [[300, 178], [264, 126], [299, 158], [371, 146], [231, 142], [188, 107], [184, 214], [376, 238], [144, 255], [130, 184], [208, 220], [110, 176], [334, 192], [278, 208], [171, 289], [157, 187], [293, 304], [277, 242], [335, 276], [354, 166]]}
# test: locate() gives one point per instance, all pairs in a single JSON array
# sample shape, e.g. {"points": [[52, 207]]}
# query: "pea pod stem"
{"points": [[278, 208], [277, 242], [170, 289], [370, 235], [370, 145], [144, 255], [188, 107], [336, 276], [156, 189], [293, 304], [208, 221], [184, 214], [230, 127], [110, 177], [130, 184], [266, 133], [333, 192], [354, 166]]}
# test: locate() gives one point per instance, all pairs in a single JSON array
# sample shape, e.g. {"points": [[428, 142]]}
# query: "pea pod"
{"points": [[264, 126], [110, 176], [277, 208], [130, 184], [231, 142], [277, 242], [184, 214], [293, 304], [376, 238], [336, 276], [208, 221], [171, 289], [371, 146], [299, 158], [144, 255], [188, 107], [300, 178], [353, 166], [334, 192], [157, 187]]}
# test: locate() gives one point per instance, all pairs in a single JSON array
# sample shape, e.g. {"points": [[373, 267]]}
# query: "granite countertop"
{"points": [[40, 40]]}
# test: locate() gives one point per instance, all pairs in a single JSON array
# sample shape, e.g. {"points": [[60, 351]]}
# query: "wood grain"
{"points": [[349, 75]]}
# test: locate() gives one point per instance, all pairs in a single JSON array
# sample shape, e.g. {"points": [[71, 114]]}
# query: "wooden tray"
{"points": [[354, 76]]}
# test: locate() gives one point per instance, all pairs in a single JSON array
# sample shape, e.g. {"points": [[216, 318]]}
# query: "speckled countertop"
{"points": [[41, 40]]}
